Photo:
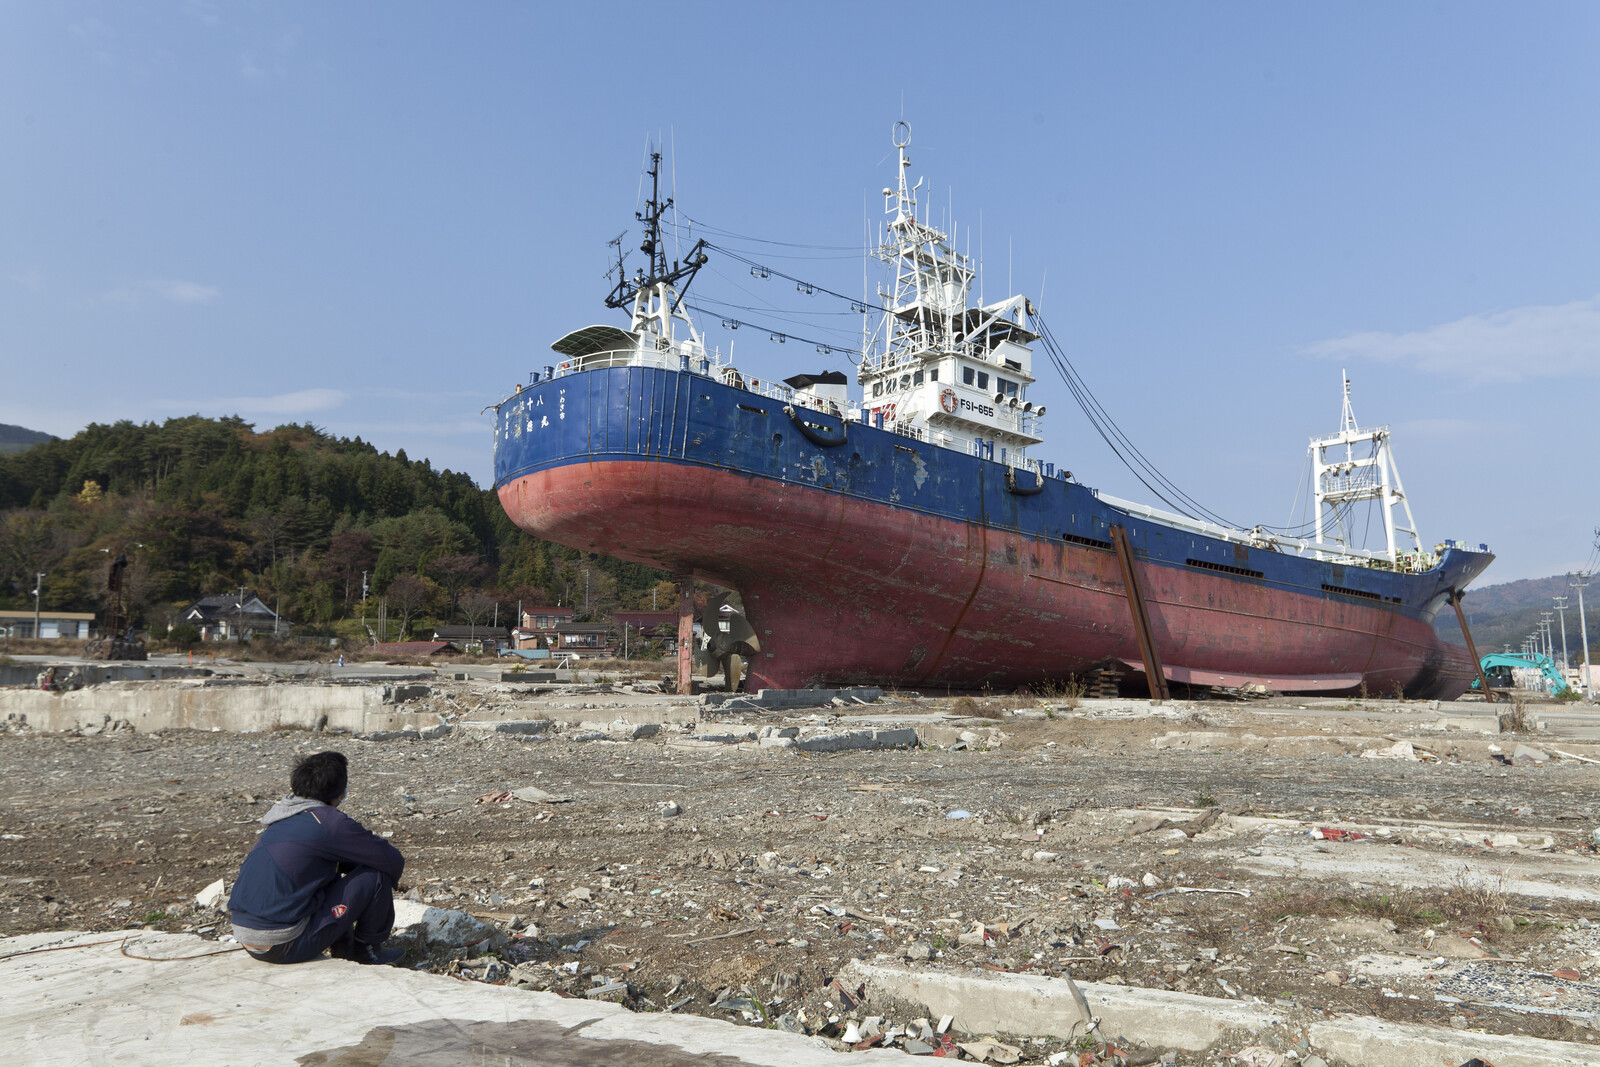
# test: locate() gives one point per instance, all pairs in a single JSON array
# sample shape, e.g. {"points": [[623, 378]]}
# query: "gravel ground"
{"points": [[1087, 848]]}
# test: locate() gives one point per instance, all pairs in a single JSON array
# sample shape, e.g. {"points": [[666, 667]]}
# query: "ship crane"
{"points": [[1367, 472]]}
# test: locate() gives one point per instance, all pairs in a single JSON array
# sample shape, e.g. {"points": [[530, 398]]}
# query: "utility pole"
{"points": [[363, 600], [38, 589], [1561, 606], [586, 591], [1544, 627], [1579, 581]]}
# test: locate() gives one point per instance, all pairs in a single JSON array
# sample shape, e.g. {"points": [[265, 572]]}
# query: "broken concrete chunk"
{"points": [[727, 738], [1368, 929], [1400, 750], [504, 726], [975, 936], [1456, 948], [990, 1051], [443, 925], [669, 808], [535, 795], [212, 896], [1529, 754]]}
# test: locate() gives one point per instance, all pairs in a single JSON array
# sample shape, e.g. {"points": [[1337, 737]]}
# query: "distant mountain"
{"points": [[18, 438], [1505, 614]]}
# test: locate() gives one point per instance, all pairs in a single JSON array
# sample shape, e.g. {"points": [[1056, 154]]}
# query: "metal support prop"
{"points": [[685, 632], [1472, 649], [1141, 617]]}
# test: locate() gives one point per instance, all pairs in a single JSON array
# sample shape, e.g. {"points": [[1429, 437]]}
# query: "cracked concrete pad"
{"points": [[1374, 1043], [1537, 875], [1034, 1006], [85, 1003]]}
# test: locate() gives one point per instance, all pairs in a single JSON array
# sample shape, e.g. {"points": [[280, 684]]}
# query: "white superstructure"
{"points": [[938, 369]]}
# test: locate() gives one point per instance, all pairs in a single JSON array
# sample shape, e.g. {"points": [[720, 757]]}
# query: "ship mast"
{"points": [[656, 295], [931, 280]]}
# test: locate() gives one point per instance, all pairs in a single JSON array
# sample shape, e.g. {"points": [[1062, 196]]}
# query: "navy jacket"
{"points": [[303, 849]]}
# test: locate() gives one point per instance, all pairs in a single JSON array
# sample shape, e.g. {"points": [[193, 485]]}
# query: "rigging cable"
{"points": [[826, 347], [693, 222], [1137, 463], [1119, 443], [806, 287]]}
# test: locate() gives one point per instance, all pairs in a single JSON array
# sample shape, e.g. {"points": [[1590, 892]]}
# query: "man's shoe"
{"points": [[375, 955]]}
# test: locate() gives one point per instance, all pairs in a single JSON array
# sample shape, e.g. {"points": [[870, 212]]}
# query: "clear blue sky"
{"points": [[376, 217]]}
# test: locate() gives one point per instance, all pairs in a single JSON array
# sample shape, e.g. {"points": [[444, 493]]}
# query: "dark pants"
{"points": [[355, 910]]}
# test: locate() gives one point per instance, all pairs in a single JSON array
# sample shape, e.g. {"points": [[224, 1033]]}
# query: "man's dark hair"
{"points": [[323, 776]]}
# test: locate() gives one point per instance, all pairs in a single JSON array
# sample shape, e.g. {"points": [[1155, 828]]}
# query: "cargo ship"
{"points": [[900, 533]]}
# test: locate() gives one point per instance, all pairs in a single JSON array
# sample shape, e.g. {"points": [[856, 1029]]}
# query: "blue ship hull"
{"points": [[953, 570]]}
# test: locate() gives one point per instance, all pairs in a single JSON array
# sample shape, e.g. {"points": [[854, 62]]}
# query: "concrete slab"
{"points": [[1368, 1042], [503, 726], [159, 999], [1025, 1005], [26, 675], [854, 740], [1535, 874], [781, 699]]}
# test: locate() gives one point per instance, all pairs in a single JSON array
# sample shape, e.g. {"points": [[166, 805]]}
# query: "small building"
{"points": [[585, 639], [537, 628], [231, 617], [52, 624], [659, 626], [489, 638]]}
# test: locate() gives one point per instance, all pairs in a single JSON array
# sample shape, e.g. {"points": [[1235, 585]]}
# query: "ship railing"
{"points": [[766, 387], [850, 411], [1411, 562], [682, 355]]}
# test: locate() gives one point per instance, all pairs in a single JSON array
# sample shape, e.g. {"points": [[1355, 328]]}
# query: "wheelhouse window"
{"points": [[1005, 385], [968, 375]]}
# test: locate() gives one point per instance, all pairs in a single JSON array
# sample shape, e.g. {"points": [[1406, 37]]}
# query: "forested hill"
{"points": [[1504, 614], [204, 505], [16, 438]]}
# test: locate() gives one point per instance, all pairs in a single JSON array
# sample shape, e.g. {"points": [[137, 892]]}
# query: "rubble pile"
{"points": [[738, 866]]}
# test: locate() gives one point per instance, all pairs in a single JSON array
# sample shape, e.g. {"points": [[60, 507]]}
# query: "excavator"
{"points": [[1498, 666]]}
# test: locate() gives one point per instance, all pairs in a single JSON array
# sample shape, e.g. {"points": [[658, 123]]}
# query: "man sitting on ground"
{"points": [[316, 879]]}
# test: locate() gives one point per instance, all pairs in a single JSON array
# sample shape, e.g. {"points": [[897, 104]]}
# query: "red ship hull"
{"points": [[846, 590]]}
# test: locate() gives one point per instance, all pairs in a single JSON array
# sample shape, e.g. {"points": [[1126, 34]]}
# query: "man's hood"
{"points": [[289, 805]]}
